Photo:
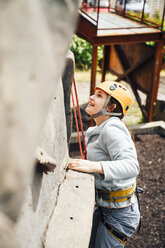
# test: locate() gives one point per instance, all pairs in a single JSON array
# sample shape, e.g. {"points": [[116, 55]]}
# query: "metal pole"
{"points": [[163, 18], [95, 5], [143, 11], [109, 1], [125, 2], [98, 11]]}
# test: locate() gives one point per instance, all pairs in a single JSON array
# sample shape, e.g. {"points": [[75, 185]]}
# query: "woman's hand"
{"points": [[85, 166]]}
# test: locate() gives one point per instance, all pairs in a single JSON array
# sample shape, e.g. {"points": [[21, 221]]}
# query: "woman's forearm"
{"points": [[85, 166]]}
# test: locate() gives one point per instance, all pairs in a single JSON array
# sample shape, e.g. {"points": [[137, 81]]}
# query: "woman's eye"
{"points": [[99, 95]]}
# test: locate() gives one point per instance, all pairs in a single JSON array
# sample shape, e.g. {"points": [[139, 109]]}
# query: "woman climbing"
{"points": [[111, 156]]}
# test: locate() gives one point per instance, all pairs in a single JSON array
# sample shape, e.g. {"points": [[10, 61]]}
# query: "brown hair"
{"points": [[118, 108]]}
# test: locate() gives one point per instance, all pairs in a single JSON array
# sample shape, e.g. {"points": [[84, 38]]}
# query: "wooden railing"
{"points": [[95, 6]]}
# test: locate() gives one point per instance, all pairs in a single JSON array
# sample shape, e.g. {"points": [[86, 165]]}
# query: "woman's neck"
{"points": [[100, 119]]}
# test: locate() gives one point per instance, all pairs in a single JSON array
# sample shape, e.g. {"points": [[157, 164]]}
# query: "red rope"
{"points": [[81, 124], [81, 152], [80, 119]]}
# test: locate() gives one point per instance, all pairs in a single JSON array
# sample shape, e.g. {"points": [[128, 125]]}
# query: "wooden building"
{"points": [[126, 54]]}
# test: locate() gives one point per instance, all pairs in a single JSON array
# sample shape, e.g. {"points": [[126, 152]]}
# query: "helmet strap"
{"points": [[104, 111]]}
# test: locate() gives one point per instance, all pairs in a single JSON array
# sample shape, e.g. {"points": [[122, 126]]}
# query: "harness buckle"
{"points": [[139, 190]]}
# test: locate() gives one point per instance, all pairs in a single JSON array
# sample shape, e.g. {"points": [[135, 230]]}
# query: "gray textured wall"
{"points": [[35, 37]]}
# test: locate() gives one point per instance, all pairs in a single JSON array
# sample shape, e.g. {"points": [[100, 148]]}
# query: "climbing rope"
{"points": [[83, 156]]}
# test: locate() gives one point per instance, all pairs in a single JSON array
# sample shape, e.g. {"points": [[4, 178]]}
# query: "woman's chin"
{"points": [[87, 110]]}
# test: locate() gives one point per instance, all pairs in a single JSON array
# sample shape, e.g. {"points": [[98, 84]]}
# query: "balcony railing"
{"points": [[88, 7]]}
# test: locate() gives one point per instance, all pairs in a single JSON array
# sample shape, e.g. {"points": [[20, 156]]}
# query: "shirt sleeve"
{"points": [[123, 163]]}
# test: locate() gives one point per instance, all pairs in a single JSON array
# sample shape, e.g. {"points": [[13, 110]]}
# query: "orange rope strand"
{"points": [[79, 114], [81, 152]]}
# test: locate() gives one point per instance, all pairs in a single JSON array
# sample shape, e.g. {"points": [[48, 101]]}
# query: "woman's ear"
{"points": [[111, 107]]}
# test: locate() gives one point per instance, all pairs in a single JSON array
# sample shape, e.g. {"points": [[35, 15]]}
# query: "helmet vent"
{"points": [[112, 87]]}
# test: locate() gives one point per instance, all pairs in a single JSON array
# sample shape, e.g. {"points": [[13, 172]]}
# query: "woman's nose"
{"points": [[92, 97]]}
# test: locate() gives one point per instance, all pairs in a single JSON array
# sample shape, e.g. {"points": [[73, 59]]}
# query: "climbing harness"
{"points": [[83, 154], [116, 196], [113, 231]]}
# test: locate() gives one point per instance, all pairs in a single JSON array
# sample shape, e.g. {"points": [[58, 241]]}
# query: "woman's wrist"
{"points": [[98, 167]]}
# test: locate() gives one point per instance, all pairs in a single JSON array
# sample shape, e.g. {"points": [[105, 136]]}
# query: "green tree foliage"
{"points": [[83, 53]]}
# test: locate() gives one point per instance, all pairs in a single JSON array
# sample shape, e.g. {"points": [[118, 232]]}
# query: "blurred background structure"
{"points": [[132, 35]]}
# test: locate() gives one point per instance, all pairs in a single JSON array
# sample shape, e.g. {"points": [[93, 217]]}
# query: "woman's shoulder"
{"points": [[113, 126], [114, 122], [90, 130]]}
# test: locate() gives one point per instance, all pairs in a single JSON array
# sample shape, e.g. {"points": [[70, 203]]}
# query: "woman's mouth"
{"points": [[91, 104]]}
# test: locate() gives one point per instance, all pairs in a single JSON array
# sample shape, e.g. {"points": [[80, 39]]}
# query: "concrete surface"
{"points": [[150, 127], [71, 223]]}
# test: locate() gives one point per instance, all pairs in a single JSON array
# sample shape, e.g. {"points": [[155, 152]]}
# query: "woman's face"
{"points": [[96, 102]]}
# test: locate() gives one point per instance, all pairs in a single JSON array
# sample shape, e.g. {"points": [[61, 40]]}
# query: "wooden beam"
{"points": [[156, 77], [85, 28], [125, 65], [93, 70], [125, 39], [93, 76], [105, 63], [163, 66], [117, 80], [134, 67], [84, 37]]}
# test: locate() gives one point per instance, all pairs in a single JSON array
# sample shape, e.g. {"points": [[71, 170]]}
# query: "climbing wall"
{"points": [[35, 37]]}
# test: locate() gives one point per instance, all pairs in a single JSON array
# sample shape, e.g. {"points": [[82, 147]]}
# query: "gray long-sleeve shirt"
{"points": [[112, 145]]}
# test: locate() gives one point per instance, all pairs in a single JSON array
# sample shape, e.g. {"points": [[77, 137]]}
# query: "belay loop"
{"points": [[83, 155]]}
